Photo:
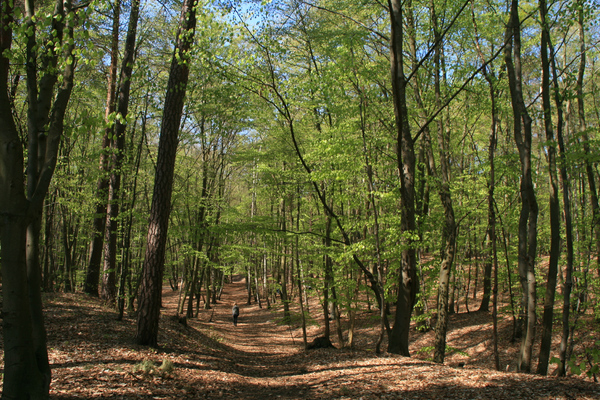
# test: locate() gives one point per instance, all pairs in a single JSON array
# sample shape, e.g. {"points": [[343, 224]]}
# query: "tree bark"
{"points": [[492, 259], [426, 162], [441, 326], [529, 208], [152, 272], [566, 193], [408, 282], [23, 378], [27, 370], [547, 318], [109, 292], [92, 276]]}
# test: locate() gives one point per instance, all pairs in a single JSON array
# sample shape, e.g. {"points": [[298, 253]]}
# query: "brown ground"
{"points": [[93, 357]]}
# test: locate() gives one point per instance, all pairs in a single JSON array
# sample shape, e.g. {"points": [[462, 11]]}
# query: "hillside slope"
{"points": [[93, 357]]}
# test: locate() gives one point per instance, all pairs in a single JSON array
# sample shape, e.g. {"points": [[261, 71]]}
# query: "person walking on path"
{"points": [[235, 312]]}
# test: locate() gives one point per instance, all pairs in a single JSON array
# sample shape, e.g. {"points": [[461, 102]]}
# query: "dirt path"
{"points": [[93, 356], [262, 358], [259, 346], [258, 332]]}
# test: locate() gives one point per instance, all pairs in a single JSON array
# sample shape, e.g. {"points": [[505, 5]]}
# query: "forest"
{"points": [[415, 159]]}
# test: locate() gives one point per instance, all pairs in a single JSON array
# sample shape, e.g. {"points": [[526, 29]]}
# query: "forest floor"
{"points": [[93, 356]]}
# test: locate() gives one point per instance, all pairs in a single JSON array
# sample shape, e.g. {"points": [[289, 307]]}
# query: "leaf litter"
{"points": [[93, 356]]}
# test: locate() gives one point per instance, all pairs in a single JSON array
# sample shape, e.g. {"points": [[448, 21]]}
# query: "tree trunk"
{"points": [[529, 207], [298, 268], [283, 264], [566, 193], [441, 326], [126, 262], [27, 371], [152, 273], [93, 270], [492, 258], [109, 292], [23, 376], [548, 316], [408, 282]]}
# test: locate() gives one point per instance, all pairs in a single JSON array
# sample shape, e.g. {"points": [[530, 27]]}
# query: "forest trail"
{"points": [[259, 345], [93, 356]]}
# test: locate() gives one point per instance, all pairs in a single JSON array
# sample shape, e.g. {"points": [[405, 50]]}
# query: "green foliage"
{"points": [[149, 368], [449, 351], [295, 319], [243, 201], [587, 363]]}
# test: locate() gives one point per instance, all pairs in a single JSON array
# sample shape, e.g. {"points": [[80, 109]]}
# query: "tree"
{"points": [[96, 245], [554, 196], [408, 281], [529, 207], [27, 371], [117, 143], [153, 268], [492, 259], [449, 230], [567, 190]]}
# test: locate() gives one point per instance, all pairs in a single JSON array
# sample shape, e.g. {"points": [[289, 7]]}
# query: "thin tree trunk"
{"points": [[529, 207], [109, 292], [568, 285], [384, 324], [441, 326], [491, 232], [548, 316], [96, 245], [48, 238], [126, 261], [328, 267]]}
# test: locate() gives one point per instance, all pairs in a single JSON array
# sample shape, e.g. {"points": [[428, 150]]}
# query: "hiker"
{"points": [[235, 312]]}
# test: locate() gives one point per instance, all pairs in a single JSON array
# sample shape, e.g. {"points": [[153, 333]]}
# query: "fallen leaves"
{"points": [[93, 356]]}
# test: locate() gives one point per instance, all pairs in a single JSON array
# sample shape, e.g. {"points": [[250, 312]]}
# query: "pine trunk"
{"points": [[152, 272]]}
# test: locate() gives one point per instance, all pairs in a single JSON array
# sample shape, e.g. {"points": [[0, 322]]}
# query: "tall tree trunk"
{"points": [[45, 139], [492, 258], [548, 316], [566, 192], [328, 268], [48, 271], [408, 283], [426, 160], [152, 273], [298, 265], [23, 377], [441, 326], [92, 276], [27, 371], [109, 292], [126, 262], [384, 325], [529, 208], [201, 230]]}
